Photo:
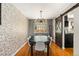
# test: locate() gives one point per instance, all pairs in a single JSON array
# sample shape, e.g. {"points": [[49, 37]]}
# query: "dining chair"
{"points": [[39, 48]]}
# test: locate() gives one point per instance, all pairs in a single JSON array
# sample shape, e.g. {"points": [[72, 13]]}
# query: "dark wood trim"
{"points": [[0, 13], [72, 8]]}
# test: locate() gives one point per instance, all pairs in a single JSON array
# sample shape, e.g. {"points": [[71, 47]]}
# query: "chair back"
{"points": [[40, 46]]}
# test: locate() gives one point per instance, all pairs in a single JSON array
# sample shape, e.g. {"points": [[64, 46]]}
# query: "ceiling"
{"points": [[50, 10]]}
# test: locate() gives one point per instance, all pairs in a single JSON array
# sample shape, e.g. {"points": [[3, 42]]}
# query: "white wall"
{"points": [[76, 30], [53, 30], [13, 31]]}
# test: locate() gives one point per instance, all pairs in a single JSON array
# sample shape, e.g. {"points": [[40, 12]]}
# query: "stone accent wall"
{"points": [[13, 31]]}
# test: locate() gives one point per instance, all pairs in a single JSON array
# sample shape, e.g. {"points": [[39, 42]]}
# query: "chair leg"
{"points": [[39, 53], [43, 52]]}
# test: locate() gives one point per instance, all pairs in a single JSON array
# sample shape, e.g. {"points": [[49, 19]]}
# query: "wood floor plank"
{"points": [[23, 51], [54, 51], [57, 51]]}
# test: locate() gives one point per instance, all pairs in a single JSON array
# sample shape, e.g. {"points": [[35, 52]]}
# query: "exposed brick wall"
{"points": [[13, 31]]}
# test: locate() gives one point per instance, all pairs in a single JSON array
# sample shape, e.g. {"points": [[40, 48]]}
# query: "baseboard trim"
{"points": [[19, 49]]}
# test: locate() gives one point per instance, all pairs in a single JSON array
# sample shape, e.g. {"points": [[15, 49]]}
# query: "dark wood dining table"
{"points": [[32, 43]]}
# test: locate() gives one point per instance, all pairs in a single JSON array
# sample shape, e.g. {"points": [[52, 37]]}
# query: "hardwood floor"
{"points": [[24, 51], [54, 51], [57, 51]]}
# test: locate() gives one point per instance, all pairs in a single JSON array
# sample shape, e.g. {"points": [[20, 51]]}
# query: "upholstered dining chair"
{"points": [[29, 44], [40, 44], [28, 40], [39, 47]]}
